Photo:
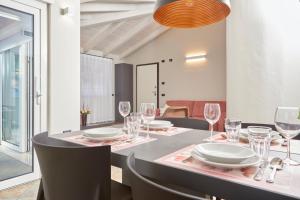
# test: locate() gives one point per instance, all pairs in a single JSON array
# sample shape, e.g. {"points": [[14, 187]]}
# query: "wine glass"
{"points": [[148, 115], [287, 123], [212, 113], [124, 109]]}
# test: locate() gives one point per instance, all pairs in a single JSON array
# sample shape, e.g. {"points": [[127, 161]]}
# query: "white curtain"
{"points": [[97, 80]]}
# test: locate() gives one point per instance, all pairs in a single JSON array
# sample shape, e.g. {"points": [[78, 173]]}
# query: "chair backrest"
{"points": [[189, 123], [144, 189], [73, 172], [245, 125]]}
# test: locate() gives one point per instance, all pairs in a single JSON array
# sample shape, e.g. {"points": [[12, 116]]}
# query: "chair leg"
{"points": [[40, 195]]}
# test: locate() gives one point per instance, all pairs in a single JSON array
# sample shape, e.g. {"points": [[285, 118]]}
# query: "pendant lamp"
{"points": [[190, 13]]}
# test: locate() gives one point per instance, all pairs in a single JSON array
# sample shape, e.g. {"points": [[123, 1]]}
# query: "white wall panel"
{"points": [[263, 58]]}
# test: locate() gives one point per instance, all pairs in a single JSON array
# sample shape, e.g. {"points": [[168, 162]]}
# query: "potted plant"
{"points": [[84, 112]]}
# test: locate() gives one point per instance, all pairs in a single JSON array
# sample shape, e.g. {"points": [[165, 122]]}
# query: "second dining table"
{"points": [[166, 158]]}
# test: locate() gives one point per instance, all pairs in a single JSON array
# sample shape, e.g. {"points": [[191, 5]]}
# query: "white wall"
{"points": [[64, 68], [201, 81], [263, 58]]}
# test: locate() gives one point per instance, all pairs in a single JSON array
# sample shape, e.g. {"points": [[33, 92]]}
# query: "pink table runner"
{"points": [[287, 181], [167, 132], [116, 145], [275, 146]]}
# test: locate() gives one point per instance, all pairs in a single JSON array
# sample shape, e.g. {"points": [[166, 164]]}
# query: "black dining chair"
{"points": [[144, 189], [74, 172], [189, 123]]}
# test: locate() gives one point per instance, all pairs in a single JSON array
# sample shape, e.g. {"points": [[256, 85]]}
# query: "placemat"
{"points": [[116, 145], [287, 181], [167, 132]]}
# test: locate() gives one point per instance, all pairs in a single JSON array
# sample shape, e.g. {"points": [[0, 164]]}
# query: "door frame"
{"points": [[136, 82], [39, 79]]}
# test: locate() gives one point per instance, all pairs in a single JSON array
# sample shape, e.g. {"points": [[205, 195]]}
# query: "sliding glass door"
{"points": [[16, 104], [21, 51]]}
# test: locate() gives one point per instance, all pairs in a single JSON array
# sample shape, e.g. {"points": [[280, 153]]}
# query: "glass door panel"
{"points": [[16, 87]]}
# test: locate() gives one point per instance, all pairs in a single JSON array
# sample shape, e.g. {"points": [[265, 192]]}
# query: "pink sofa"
{"points": [[196, 110]]}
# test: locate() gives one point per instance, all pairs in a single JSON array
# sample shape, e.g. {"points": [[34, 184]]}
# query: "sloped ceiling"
{"points": [[117, 28]]}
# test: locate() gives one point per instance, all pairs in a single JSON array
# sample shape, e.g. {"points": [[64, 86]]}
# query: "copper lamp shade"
{"points": [[190, 13]]}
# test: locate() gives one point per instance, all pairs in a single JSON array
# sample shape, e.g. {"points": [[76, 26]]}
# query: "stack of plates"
{"points": [[244, 135], [160, 124], [225, 155], [102, 134]]}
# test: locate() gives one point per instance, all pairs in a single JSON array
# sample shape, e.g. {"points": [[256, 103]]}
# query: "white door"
{"points": [[23, 68], [147, 84]]}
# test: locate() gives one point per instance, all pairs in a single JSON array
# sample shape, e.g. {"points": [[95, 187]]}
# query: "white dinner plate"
{"points": [[246, 163], [102, 132], [159, 124], [244, 134], [224, 153]]}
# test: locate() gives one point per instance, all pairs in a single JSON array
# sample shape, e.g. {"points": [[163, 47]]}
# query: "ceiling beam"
{"points": [[132, 32], [10, 30], [96, 19], [102, 35], [150, 37], [106, 7], [119, 1], [91, 42]]}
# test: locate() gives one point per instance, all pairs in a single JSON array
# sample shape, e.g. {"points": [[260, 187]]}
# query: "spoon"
{"points": [[275, 164]]}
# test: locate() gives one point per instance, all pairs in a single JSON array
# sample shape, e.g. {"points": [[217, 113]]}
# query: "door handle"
{"points": [[37, 92], [38, 98]]}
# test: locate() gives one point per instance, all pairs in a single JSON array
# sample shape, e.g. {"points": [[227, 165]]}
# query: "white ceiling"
{"points": [[117, 28]]}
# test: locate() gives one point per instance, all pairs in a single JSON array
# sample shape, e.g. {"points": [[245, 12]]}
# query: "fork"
{"points": [[260, 173]]}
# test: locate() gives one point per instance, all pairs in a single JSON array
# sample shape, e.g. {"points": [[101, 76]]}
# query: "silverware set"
{"points": [[276, 164]]}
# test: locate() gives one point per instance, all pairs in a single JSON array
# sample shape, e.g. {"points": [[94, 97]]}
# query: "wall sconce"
{"points": [[67, 11], [195, 58]]}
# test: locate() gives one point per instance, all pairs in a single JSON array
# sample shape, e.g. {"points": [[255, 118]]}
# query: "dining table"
{"points": [[149, 154]]}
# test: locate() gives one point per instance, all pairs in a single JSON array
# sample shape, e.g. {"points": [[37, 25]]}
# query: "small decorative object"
{"points": [[84, 112]]}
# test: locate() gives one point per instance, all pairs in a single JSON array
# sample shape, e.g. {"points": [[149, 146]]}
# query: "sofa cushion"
{"points": [[175, 111], [180, 103]]}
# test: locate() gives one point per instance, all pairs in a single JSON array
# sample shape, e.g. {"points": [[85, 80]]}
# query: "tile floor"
{"points": [[29, 191]]}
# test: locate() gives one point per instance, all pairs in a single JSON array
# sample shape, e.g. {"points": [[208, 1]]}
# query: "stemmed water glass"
{"points": [[148, 115], [124, 109], [212, 114], [287, 122]]}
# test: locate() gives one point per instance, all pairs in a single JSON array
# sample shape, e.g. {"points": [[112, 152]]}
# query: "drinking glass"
{"points": [[287, 122], [124, 109], [148, 114], [233, 128], [259, 140], [138, 116], [133, 127], [212, 113]]}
